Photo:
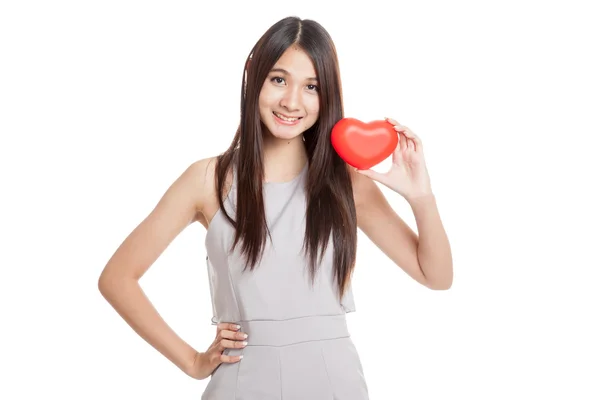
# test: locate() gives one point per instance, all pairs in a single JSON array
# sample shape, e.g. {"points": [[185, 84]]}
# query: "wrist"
{"points": [[192, 362], [420, 198]]}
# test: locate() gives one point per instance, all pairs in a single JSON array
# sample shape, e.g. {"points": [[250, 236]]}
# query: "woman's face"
{"points": [[289, 98]]}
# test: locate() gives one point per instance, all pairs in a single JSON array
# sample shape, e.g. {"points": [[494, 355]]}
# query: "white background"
{"points": [[104, 104]]}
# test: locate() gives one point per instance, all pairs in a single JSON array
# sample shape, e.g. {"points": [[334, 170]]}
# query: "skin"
{"points": [[290, 89], [192, 198]]}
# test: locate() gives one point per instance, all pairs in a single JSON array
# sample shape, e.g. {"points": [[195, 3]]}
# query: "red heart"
{"points": [[363, 145]]}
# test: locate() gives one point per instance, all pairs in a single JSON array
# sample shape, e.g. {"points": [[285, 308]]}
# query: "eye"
{"points": [[313, 87], [278, 80]]}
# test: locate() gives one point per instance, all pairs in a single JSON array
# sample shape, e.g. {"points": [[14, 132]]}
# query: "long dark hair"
{"points": [[330, 203]]}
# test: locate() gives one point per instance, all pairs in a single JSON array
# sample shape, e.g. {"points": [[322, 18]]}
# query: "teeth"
{"points": [[285, 118]]}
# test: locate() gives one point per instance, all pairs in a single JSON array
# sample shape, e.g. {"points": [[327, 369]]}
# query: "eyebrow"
{"points": [[283, 71]]}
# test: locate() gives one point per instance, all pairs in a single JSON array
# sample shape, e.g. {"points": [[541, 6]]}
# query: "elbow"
{"points": [[109, 283], [104, 284], [441, 283], [441, 276]]}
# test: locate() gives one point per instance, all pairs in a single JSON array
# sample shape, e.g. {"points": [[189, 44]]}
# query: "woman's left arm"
{"points": [[427, 258]]}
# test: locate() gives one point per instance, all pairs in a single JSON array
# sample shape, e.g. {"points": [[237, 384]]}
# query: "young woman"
{"points": [[281, 210]]}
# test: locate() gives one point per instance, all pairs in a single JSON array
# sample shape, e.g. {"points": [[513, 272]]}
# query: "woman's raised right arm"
{"points": [[180, 205]]}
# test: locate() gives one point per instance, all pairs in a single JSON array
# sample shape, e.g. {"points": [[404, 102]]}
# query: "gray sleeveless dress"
{"points": [[299, 347]]}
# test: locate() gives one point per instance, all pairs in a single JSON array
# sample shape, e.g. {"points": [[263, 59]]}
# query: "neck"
{"points": [[283, 159]]}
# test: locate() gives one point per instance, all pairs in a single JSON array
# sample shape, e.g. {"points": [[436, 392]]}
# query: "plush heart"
{"points": [[363, 145]]}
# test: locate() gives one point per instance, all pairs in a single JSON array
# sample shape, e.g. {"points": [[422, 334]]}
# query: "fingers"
{"points": [[413, 143], [231, 344], [403, 142], [227, 326], [229, 337], [392, 121], [410, 144], [403, 145], [370, 173], [227, 334], [230, 359], [232, 340]]}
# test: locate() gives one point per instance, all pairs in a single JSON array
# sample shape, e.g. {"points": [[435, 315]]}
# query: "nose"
{"points": [[291, 99]]}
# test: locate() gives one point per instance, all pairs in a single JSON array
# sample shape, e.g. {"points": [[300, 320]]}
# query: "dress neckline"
{"points": [[294, 179]]}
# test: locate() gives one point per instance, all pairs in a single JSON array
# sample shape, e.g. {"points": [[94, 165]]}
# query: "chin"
{"points": [[285, 135]]}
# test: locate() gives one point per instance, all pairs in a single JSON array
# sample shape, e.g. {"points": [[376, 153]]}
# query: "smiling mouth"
{"points": [[285, 118]]}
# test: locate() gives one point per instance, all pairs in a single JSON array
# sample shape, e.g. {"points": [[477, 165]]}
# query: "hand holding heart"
{"points": [[408, 174]]}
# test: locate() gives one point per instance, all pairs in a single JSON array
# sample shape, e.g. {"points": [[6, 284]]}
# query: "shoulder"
{"points": [[202, 181], [200, 174], [197, 183]]}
